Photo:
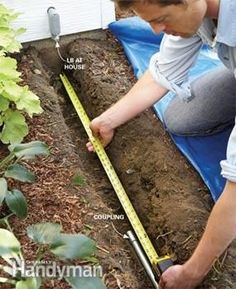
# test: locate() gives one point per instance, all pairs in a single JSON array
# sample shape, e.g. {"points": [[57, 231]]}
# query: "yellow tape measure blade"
{"points": [[120, 191]]}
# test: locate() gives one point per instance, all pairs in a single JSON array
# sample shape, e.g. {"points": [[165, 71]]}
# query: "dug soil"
{"points": [[168, 195]]}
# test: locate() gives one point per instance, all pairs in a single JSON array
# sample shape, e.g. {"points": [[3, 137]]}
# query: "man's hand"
{"points": [[179, 277], [102, 130]]}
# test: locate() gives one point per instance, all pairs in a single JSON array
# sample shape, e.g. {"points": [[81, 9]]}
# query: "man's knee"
{"points": [[175, 124]]}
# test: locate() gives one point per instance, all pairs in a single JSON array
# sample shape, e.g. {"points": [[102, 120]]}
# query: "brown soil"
{"points": [[170, 198]]}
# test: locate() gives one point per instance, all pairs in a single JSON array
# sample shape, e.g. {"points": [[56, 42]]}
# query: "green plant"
{"points": [[49, 237], [10, 168], [15, 100], [78, 180]]}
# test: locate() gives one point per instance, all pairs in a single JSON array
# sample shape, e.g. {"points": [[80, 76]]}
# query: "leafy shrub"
{"points": [[49, 237], [15, 100], [10, 168]]}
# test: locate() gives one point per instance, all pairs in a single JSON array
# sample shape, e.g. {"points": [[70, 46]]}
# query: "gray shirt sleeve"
{"points": [[170, 66], [229, 165]]}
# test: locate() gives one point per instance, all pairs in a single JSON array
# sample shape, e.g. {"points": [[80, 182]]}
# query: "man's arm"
{"points": [[219, 233], [141, 96], [168, 68]]}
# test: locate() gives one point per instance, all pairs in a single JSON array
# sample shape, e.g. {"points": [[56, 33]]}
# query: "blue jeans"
{"points": [[212, 108]]}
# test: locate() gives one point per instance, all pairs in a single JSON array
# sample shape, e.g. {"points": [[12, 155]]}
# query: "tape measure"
{"points": [[162, 263]]}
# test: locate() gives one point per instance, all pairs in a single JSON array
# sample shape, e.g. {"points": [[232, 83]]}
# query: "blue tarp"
{"points": [[204, 153]]}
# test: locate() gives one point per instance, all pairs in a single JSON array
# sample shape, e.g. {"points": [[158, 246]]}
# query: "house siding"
{"points": [[75, 16]]}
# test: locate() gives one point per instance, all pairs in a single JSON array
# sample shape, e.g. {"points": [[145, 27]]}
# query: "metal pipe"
{"points": [[143, 259]]}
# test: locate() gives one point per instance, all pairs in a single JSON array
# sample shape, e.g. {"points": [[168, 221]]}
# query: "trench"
{"points": [[171, 200]]}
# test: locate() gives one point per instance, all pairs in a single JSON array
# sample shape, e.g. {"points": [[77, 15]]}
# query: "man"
{"points": [[204, 107]]}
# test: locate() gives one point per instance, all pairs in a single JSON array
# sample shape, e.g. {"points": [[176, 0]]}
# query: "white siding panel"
{"points": [[76, 16], [108, 12]]}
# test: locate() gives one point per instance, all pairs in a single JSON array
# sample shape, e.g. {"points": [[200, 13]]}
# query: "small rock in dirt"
{"points": [[130, 171], [37, 71]]}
